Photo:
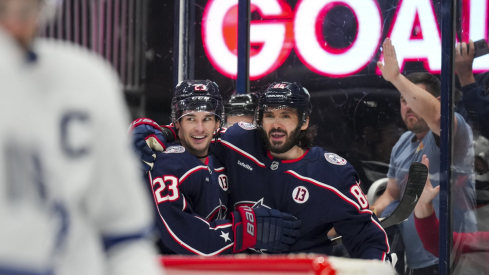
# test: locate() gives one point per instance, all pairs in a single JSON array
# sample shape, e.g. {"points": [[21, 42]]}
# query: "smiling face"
{"points": [[413, 122], [195, 131], [279, 126]]}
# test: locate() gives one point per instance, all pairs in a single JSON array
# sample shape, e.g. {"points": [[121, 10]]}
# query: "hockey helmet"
{"points": [[285, 94], [196, 96], [241, 105]]}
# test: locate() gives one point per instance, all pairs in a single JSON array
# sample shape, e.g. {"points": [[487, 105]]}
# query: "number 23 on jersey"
{"points": [[167, 188]]}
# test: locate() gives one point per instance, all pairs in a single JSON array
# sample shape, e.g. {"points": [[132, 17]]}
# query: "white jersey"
{"points": [[70, 194]]}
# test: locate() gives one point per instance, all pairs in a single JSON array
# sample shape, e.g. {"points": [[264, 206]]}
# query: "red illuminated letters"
{"points": [[414, 31], [412, 48], [331, 63], [271, 41]]}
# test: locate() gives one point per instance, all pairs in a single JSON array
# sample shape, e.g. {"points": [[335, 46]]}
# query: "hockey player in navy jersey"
{"points": [[272, 164], [240, 107], [190, 186]]}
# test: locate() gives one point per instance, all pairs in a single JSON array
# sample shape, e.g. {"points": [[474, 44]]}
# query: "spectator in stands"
{"points": [[427, 226], [420, 110], [475, 98]]}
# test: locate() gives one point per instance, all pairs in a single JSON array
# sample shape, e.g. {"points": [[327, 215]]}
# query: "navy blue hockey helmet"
{"points": [[196, 96], [241, 105], [285, 94]]}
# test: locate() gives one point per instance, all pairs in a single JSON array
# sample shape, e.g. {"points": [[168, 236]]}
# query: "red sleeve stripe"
{"points": [[329, 187], [345, 198], [220, 169], [188, 247], [189, 172], [243, 153], [385, 234]]}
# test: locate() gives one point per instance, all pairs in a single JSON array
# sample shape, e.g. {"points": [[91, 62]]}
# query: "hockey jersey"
{"points": [[191, 202], [68, 181], [320, 188]]}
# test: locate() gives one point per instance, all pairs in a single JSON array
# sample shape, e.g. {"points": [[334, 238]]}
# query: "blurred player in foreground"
{"points": [[64, 207], [272, 164], [190, 186], [240, 108]]}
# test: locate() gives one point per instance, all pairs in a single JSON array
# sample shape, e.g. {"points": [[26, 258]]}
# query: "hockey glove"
{"points": [[265, 229], [147, 137]]}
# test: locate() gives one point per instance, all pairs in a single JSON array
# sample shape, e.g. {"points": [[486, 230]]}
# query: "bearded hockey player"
{"points": [[272, 164], [318, 187], [64, 208], [190, 186]]}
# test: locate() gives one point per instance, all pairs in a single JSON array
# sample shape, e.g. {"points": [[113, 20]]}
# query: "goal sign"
{"points": [[413, 29]]}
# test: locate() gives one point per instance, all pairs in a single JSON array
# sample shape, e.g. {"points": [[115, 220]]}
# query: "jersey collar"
{"points": [[288, 160]]}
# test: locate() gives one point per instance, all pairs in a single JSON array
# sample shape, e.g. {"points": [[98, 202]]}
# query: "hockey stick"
{"points": [[418, 173]]}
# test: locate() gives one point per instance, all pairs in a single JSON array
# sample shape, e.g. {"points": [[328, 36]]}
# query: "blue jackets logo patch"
{"points": [[246, 125], [334, 159], [174, 149]]}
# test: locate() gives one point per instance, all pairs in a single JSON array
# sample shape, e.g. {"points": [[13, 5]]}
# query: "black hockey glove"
{"points": [[147, 137], [266, 229]]}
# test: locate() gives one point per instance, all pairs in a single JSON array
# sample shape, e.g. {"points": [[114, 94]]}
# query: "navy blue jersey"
{"points": [[191, 200], [320, 188]]}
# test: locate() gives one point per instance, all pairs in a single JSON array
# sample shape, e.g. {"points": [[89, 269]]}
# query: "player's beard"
{"points": [[418, 126], [280, 147]]}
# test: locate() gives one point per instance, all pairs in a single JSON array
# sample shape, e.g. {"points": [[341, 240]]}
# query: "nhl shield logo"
{"points": [[246, 125], [174, 149], [274, 165], [334, 159]]}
